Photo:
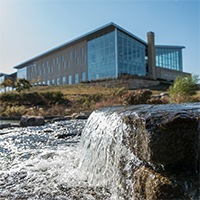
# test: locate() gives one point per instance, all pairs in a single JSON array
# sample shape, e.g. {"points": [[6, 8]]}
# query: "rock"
{"points": [[31, 121], [81, 116], [68, 117], [58, 119], [74, 115], [152, 185], [164, 94], [5, 125], [71, 134], [169, 139]]}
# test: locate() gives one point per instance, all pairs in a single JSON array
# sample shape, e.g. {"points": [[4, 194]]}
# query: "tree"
{"points": [[22, 84], [183, 88], [6, 83]]}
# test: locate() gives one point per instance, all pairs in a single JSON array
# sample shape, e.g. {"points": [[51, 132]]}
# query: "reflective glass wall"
{"points": [[170, 58], [131, 55], [101, 56]]}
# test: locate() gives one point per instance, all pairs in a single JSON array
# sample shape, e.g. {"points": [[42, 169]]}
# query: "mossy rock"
{"points": [[152, 185], [167, 138]]}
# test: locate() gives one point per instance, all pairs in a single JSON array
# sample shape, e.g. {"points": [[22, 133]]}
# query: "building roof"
{"points": [[87, 36], [169, 46]]}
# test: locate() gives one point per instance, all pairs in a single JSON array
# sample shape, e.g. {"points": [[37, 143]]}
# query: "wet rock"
{"points": [[71, 134], [160, 144], [31, 121], [152, 185], [81, 116], [170, 139], [2, 126]]}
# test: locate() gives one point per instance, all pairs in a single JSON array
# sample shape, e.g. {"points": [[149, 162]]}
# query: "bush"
{"points": [[90, 98], [35, 98], [136, 97], [119, 92], [155, 101], [183, 88], [14, 111]]}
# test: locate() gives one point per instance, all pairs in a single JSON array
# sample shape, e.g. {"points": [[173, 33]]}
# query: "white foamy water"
{"points": [[39, 163], [35, 164]]}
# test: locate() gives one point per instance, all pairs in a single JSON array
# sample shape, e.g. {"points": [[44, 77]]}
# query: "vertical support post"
{"points": [[151, 55], [116, 53]]}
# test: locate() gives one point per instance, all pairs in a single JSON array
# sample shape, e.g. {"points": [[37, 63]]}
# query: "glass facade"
{"points": [[115, 53], [22, 73], [83, 76], [131, 55], [101, 56], [76, 79], [170, 58]]}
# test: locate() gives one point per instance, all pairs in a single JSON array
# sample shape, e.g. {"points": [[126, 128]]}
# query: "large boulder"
{"points": [[169, 140], [152, 149], [32, 121]]}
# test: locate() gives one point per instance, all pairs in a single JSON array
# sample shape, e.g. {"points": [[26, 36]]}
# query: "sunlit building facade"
{"points": [[106, 52]]}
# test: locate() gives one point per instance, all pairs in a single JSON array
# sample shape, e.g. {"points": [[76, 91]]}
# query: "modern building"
{"points": [[104, 52], [4, 77]]}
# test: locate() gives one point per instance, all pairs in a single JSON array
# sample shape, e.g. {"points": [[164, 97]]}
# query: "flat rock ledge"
{"points": [[32, 121], [41, 120]]}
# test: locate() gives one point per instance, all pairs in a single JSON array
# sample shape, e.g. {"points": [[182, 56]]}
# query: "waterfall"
{"points": [[120, 146]]}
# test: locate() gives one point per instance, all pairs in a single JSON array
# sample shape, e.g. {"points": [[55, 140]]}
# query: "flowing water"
{"points": [[39, 163], [35, 164]]}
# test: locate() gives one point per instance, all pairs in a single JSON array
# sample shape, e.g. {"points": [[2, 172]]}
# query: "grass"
{"points": [[82, 97]]}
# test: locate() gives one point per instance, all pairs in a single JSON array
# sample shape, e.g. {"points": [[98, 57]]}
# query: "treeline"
{"points": [[32, 99]]}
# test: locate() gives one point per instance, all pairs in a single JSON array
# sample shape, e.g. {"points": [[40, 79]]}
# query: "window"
{"points": [[57, 60], [74, 53], [84, 58], [62, 58], [82, 51], [76, 79], [70, 55], [43, 83], [83, 77], [53, 61], [77, 61], [52, 82], [64, 65], [68, 63], [58, 81], [59, 66], [47, 63], [63, 80], [48, 82], [52, 68], [70, 79]]}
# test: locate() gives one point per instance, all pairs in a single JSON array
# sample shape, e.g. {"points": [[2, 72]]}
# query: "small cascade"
{"points": [[142, 152]]}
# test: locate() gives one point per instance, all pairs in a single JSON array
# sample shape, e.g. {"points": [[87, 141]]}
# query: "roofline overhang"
{"points": [[87, 36], [169, 46]]}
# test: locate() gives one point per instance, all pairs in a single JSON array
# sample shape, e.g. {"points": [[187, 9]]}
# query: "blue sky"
{"points": [[29, 28]]}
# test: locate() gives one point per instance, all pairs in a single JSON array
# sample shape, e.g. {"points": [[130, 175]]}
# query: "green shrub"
{"points": [[154, 101], [35, 98], [90, 98], [119, 92], [136, 97], [14, 111], [183, 88]]}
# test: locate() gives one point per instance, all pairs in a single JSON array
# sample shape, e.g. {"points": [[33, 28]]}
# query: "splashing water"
{"points": [[35, 164]]}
